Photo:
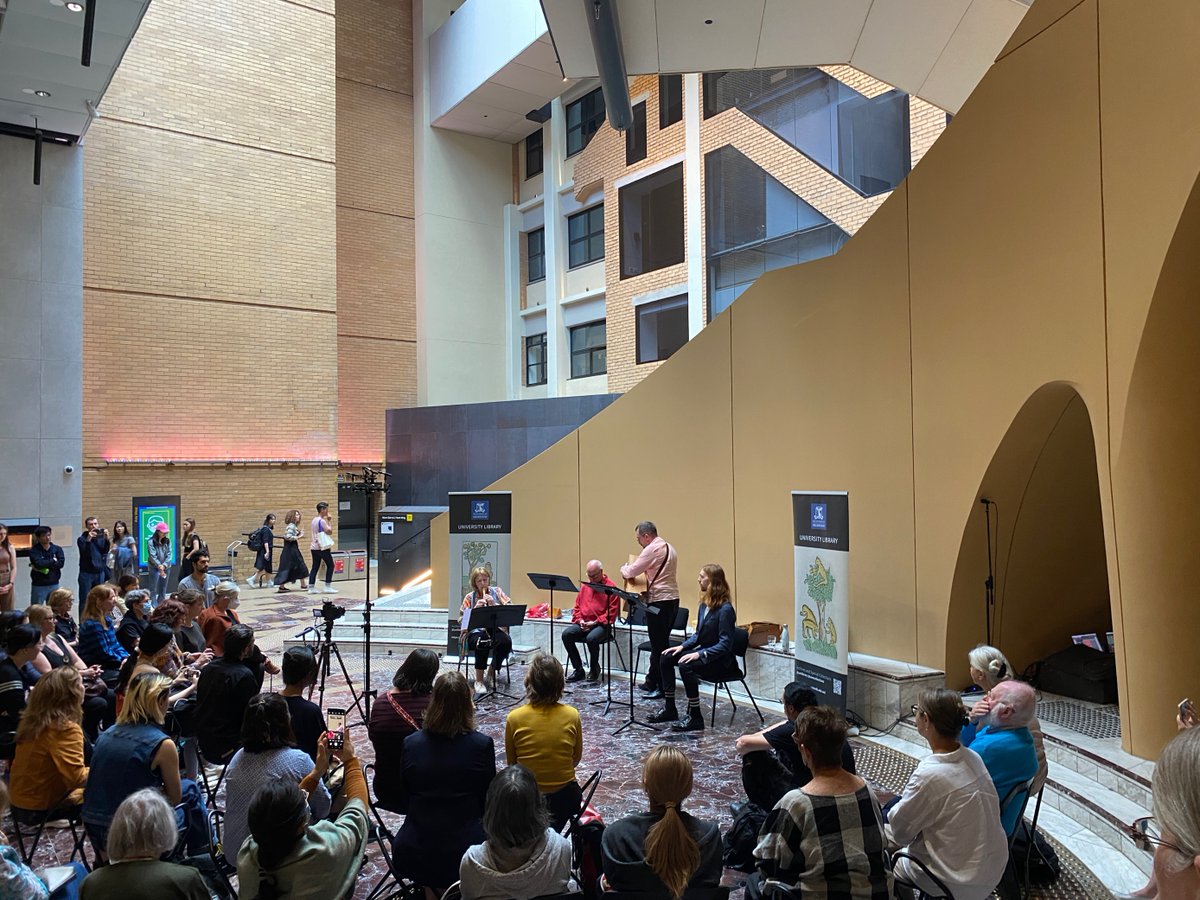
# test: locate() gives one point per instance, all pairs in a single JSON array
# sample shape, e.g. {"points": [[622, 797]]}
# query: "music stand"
{"points": [[493, 618], [609, 591], [552, 583], [634, 600]]}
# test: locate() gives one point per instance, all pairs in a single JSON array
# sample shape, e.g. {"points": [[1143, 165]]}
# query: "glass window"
{"points": [[589, 350], [585, 236], [652, 222], [533, 154], [862, 140], [584, 117], [670, 100], [536, 255], [662, 328], [635, 137], [535, 359]]}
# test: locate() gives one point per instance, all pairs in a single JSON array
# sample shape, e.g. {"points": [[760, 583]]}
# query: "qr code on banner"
{"points": [[837, 686]]}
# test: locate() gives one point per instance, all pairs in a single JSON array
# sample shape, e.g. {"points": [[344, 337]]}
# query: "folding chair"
{"points": [[1010, 885], [943, 892], [680, 624], [36, 819], [382, 835], [741, 642], [211, 790], [216, 851]]}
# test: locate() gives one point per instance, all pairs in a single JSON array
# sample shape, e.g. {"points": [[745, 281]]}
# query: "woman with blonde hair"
{"points": [[482, 595], [664, 848], [988, 668], [546, 736], [707, 653], [62, 601], [98, 709], [291, 561], [48, 771], [445, 771]]}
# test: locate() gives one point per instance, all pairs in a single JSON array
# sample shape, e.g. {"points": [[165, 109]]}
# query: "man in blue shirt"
{"points": [[46, 561], [1004, 741], [93, 558]]}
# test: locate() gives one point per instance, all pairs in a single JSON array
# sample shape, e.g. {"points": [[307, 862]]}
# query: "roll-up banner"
{"points": [[821, 532], [480, 535]]}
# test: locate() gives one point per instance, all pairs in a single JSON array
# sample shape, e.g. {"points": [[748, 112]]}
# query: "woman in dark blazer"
{"points": [[445, 773], [707, 654]]}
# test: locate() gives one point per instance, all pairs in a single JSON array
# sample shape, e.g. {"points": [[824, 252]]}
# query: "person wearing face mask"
{"points": [[216, 621]]}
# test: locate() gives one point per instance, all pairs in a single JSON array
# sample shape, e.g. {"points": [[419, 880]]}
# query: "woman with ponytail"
{"points": [[989, 667], [949, 815], [663, 852], [285, 856]]}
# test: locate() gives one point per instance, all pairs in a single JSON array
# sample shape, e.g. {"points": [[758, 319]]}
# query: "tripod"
{"points": [[369, 485], [327, 647]]}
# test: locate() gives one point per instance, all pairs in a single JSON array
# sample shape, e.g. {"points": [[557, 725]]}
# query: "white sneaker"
{"points": [[329, 589], [313, 590], [250, 582], [479, 688]]}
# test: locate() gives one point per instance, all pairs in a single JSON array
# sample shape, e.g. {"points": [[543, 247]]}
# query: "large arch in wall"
{"points": [[1047, 530]]}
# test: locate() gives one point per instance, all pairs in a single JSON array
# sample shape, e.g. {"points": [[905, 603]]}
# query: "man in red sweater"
{"points": [[591, 622]]}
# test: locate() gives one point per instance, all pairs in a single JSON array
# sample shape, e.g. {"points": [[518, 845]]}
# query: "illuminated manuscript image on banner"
{"points": [[821, 537], [480, 535]]}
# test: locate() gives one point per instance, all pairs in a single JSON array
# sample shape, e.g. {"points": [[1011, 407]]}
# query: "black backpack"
{"points": [[255, 541]]}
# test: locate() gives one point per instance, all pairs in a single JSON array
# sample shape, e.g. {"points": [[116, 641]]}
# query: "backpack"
{"points": [[742, 837], [586, 835], [255, 541]]}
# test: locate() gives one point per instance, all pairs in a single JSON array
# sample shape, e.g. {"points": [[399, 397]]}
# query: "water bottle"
{"points": [[787, 647]]}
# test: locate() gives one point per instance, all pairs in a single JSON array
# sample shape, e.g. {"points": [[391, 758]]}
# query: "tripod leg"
{"points": [[350, 682]]}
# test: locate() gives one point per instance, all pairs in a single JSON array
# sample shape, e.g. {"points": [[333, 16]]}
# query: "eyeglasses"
{"points": [[916, 709], [1147, 835]]}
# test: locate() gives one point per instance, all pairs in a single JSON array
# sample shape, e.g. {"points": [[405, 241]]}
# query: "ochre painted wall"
{"points": [[901, 369]]}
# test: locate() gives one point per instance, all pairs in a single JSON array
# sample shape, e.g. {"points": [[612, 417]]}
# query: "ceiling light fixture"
{"points": [[708, 21], [75, 7], [42, 93]]}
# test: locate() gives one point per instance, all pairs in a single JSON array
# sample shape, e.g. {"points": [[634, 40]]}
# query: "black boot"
{"points": [[694, 721], [594, 673], [577, 675], [669, 714]]}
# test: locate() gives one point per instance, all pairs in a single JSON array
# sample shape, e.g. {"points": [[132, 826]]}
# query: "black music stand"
{"points": [[608, 702], [552, 583], [493, 618], [634, 600]]}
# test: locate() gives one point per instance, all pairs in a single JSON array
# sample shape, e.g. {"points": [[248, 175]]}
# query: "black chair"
{"points": [[1030, 846], [774, 888], [391, 883], [1010, 885], [25, 820], [210, 790], [680, 624], [942, 892], [741, 643], [216, 852], [464, 656]]}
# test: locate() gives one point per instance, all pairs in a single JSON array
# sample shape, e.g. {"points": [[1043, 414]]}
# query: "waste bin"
{"points": [[341, 565], [358, 564]]}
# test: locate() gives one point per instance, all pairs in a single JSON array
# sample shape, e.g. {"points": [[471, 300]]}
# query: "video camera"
{"points": [[331, 612]]}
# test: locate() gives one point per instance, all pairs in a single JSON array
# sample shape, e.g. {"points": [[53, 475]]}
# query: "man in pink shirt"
{"points": [[591, 622], [657, 562]]}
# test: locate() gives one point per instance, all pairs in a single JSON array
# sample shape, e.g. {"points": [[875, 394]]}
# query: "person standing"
{"points": [[93, 546], [158, 558], [291, 563], [591, 623], [189, 544], [46, 561], [124, 551], [262, 558], [657, 562], [8, 565], [321, 549]]}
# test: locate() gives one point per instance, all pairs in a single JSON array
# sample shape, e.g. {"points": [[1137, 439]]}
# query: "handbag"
{"points": [[94, 686], [324, 541]]}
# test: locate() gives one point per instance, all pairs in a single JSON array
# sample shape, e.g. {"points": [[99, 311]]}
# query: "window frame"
{"points": [[662, 305], [635, 137], [533, 341], [624, 198], [669, 111], [540, 148], [530, 255], [591, 214], [588, 125], [591, 353]]}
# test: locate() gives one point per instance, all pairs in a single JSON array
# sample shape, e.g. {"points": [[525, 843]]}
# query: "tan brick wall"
{"points": [[926, 124]]}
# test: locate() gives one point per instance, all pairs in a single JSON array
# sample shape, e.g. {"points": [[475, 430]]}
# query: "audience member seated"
{"points": [[135, 620], [24, 643], [396, 715], [948, 815], [547, 737], [189, 636], [825, 838], [308, 722], [134, 754], [522, 855], [48, 771], [1002, 739], [216, 621], [98, 644], [143, 831], [591, 623], [153, 657], [1173, 834], [771, 761], [268, 752], [989, 667], [62, 601], [707, 653], [98, 709], [18, 881], [445, 772], [173, 614], [222, 694], [199, 579], [664, 849], [285, 856]]}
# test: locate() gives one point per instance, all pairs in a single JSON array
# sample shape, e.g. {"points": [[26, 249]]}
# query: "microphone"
{"points": [[985, 501], [308, 630]]}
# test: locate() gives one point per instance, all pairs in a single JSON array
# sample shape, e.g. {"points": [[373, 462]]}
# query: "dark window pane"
{"points": [[536, 255], [533, 154], [585, 236], [588, 350], [584, 118], [635, 137], [670, 100], [662, 328], [535, 359], [652, 222]]}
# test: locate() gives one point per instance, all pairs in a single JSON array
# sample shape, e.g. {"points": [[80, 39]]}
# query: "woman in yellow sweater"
{"points": [[48, 771], [546, 737]]}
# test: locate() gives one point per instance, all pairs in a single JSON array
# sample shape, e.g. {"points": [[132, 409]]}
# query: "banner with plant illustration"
{"points": [[480, 535], [821, 533]]}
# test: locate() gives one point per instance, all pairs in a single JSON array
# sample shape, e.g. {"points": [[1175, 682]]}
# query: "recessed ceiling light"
{"points": [[75, 7], [706, 21], [42, 93]]}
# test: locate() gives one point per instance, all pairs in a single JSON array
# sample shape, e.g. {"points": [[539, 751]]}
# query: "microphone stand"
{"points": [[989, 584], [635, 601]]}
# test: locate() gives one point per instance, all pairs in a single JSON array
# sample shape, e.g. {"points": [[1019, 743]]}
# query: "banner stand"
{"points": [[480, 535], [821, 538]]}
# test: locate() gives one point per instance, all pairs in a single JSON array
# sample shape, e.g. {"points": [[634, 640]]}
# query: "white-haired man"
{"points": [[591, 622], [1004, 742]]}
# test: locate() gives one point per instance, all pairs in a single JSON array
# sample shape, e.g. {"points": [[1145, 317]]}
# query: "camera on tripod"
{"points": [[331, 612]]}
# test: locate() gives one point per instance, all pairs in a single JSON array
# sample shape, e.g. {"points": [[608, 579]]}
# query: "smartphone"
{"points": [[1185, 707], [335, 721]]}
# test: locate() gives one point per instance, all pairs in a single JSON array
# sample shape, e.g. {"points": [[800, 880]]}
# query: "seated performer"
{"points": [[591, 622], [481, 640]]}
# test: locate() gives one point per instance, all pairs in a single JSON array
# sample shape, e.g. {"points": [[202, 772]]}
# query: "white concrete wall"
{"points": [[41, 345]]}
